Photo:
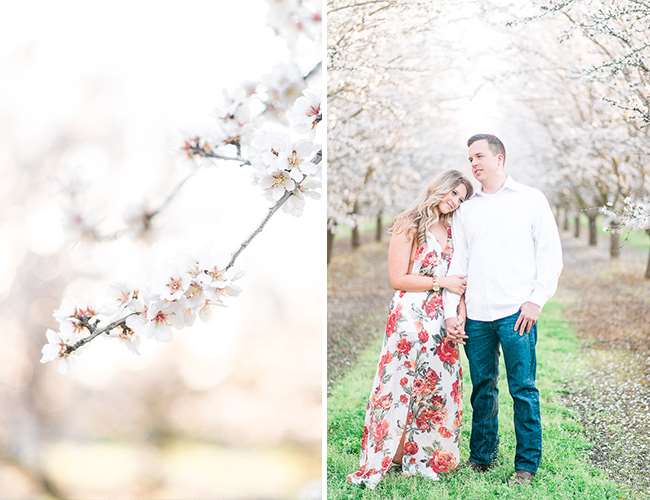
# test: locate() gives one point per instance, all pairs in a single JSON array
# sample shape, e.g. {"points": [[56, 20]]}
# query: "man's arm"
{"points": [[458, 264], [548, 265], [548, 255]]}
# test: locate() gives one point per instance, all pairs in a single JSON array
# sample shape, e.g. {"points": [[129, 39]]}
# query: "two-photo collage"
{"points": [[342, 249]]}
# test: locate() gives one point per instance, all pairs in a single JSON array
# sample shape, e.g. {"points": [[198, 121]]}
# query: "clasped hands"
{"points": [[456, 326], [456, 330]]}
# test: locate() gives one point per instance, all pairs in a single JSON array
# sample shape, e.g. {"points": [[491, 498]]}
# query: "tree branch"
{"points": [[316, 160], [96, 332]]}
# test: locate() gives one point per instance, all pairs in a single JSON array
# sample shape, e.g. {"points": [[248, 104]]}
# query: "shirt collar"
{"points": [[509, 183]]}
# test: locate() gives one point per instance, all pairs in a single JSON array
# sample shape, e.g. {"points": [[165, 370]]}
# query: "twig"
{"points": [[316, 160], [147, 216], [312, 71], [192, 148], [170, 196], [95, 332]]}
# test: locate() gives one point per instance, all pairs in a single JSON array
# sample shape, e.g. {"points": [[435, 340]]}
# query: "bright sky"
{"points": [[486, 106]]}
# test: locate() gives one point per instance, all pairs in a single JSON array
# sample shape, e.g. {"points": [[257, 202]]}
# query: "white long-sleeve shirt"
{"points": [[507, 244]]}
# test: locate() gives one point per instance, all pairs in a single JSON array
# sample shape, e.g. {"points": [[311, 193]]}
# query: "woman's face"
{"points": [[453, 199]]}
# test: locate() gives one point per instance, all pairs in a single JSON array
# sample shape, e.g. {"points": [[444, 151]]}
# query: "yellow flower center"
{"points": [[278, 180]]}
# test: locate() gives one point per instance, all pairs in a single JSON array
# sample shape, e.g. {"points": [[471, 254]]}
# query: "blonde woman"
{"points": [[414, 411]]}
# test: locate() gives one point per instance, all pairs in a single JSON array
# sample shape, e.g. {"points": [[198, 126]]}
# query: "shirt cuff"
{"points": [[538, 298]]}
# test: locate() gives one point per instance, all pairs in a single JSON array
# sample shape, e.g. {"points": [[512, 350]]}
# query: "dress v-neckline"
{"points": [[442, 249]]}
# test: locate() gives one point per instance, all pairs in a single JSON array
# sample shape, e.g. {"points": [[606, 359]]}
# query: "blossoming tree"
{"points": [[271, 128], [380, 57], [599, 87]]}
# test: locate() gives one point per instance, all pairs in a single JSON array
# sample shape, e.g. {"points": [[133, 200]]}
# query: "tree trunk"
{"points": [[330, 244], [356, 238], [647, 268], [565, 221], [576, 227], [380, 228], [593, 231], [614, 243]]}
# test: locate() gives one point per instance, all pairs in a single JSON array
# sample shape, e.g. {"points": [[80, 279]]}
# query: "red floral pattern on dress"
{"points": [[410, 448], [403, 346], [455, 392], [393, 318], [433, 305], [444, 432], [418, 387], [447, 351], [442, 461]]}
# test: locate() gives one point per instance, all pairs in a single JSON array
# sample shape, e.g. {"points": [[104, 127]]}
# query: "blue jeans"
{"points": [[482, 349]]}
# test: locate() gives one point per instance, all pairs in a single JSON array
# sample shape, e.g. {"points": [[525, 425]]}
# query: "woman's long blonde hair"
{"points": [[425, 213]]}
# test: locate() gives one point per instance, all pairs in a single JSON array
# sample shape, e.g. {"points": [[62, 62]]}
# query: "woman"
{"points": [[414, 411]]}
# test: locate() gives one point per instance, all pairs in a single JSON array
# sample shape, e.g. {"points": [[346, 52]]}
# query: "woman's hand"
{"points": [[454, 283]]}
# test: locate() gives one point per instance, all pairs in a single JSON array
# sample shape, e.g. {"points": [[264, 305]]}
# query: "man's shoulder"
{"points": [[531, 192], [464, 208], [470, 202]]}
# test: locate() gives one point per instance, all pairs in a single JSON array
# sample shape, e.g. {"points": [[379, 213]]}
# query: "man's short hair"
{"points": [[495, 144]]}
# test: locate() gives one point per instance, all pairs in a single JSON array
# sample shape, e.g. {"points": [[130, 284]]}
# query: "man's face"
{"points": [[485, 164]]}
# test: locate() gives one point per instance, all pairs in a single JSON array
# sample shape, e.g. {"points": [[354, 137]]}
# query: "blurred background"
{"points": [[95, 103]]}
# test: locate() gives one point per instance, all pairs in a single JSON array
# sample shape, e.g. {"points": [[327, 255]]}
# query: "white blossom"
{"points": [[175, 286], [55, 349], [309, 188], [282, 87], [276, 182], [161, 317], [305, 114], [295, 19], [71, 319], [295, 158], [128, 337]]}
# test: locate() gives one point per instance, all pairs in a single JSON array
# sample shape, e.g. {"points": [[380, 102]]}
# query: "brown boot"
{"points": [[521, 477]]}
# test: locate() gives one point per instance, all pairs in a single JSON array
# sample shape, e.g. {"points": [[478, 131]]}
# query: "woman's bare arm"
{"points": [[399, 254]]}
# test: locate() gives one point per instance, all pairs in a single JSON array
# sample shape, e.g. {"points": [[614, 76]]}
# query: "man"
{"points": [[507, 243]]}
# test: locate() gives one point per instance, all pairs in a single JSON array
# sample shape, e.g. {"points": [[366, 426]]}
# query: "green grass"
{"points": [[636, 239], [565, 471]]}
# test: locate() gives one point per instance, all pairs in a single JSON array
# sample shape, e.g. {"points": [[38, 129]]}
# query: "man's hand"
{"points": [[527, 318], [454, 331]]}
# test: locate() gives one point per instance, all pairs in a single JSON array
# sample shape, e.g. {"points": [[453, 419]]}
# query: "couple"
{"points": [[481, 282]]}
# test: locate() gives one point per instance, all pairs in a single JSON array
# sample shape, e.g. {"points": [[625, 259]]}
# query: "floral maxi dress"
{"points": [[418, 384]]}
